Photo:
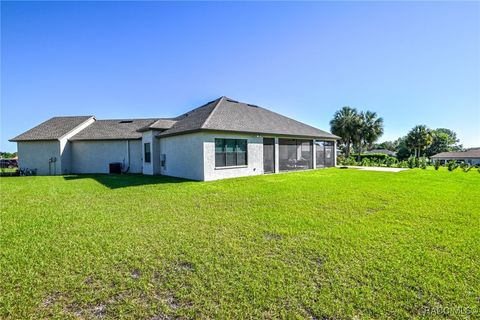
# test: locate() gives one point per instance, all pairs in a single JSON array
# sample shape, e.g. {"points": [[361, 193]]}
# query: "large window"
{"points": [[295, 154], [325, 153], [230, 152], [147, 152]]}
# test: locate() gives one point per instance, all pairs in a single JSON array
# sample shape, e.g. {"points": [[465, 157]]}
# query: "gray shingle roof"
{"points": [[160, 124], [120, 129], [222, 114], [225, 114], [472, 153], [52, 129]]}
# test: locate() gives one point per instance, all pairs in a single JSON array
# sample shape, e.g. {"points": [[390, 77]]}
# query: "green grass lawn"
{"points": [[331, 243]]}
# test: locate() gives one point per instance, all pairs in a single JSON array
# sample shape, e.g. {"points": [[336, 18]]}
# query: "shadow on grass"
{"points": [[115, 181]]}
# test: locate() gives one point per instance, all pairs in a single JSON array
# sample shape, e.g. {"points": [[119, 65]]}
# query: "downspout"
{"points": [[128, 156]]}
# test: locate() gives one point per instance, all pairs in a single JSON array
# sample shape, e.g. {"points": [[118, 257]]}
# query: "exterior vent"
{"points": [[126, 121]]}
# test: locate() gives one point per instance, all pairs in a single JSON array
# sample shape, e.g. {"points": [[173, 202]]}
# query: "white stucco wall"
{"points": [[95, 156], [254, 155], [36, 155], [153, 167], [184, 156], [66, 146]]}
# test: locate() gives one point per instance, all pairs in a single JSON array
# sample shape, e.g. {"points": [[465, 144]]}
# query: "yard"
{"points": [[320, 244]]}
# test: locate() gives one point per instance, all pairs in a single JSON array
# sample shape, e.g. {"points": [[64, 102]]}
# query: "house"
{"points": [[223, 138], [382, 151], [471, 156]]}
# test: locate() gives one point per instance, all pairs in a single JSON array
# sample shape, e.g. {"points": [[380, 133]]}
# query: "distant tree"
{"points": [[388, 145], [443, 140], [403, 151], [8, 155], [371, 128], [418, 139], [346, 124]]}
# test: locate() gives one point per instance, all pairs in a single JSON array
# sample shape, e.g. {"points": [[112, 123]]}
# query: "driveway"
{"points": [[384, 169]]}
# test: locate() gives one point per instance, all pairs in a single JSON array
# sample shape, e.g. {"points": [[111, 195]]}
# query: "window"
{"points": [[230, 152], [147, 152]]}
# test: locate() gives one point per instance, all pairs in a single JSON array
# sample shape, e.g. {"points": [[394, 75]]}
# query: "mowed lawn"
{"points": [[330, 243]]}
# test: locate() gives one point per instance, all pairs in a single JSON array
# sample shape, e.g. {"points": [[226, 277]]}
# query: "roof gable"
{"points": [[52, 129], [119, 129]]}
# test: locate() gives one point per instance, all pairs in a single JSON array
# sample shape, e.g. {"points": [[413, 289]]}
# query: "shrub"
{"points": [[402, 164], [452, 165], [390, 161], [465, 167], [437, 165], [411, 161], [365, 162], [422, 162], [347, 162], [371, 156]]}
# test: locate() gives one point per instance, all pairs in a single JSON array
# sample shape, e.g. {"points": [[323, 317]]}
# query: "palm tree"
{"points": [[419, 138], [371, 129], [346, 124]]}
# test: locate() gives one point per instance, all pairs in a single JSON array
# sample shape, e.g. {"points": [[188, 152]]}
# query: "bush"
{"points": [[371, 156], [412, 162], [422, 162], [402, 164], [437, 165], [365, 162], [390, 161], [347, 162], [452, 165], [465, 167]]}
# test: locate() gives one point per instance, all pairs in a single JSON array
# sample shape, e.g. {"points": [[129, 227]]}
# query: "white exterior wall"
{"points": [[470, 161], [183, 155], [36, 155], [154, 166], [66, 146], [254, 157], [95, 156]]}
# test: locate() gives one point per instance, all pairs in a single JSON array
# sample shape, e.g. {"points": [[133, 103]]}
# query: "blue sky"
{"points": [[411, 62]]}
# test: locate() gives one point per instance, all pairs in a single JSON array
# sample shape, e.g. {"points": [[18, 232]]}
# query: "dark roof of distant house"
{"points": [[52, 129], [472, 153], [225, 114], [382, 151], [160, 124], [119, 129]]}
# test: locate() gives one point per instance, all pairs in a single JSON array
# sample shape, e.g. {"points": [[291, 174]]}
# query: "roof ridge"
{"points": [[212, 112], [291, 119]]}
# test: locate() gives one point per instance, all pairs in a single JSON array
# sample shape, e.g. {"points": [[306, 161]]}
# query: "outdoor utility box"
{"points": [[115, 167]]}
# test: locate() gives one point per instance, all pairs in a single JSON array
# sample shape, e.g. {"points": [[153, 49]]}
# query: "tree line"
{"points": [[360, 130]]}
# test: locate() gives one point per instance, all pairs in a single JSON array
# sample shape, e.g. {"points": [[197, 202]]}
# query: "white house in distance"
{"points": [[223, 138], [471, 156]]}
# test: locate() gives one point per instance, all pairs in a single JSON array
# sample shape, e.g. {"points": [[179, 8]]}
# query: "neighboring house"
{"points": [[471, 156], [382, 151], [221, 139]]}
